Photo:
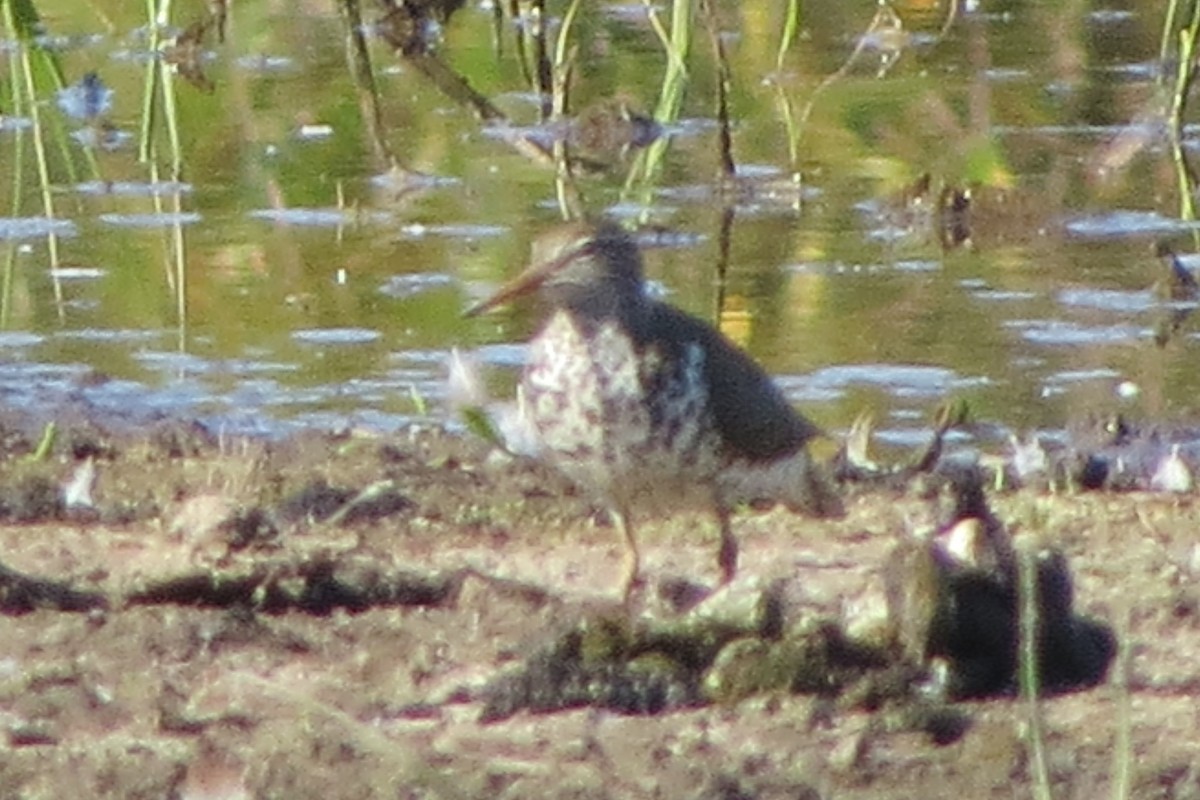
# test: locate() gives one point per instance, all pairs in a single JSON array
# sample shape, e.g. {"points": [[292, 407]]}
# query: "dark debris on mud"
{"points": [[959, 610]]}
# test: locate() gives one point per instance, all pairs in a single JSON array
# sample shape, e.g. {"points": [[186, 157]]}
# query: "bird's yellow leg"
{"points": [[631, 560], [727, 556]]}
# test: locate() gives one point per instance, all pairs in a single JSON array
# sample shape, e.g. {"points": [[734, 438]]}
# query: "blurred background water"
{"points": [[272, 215]]}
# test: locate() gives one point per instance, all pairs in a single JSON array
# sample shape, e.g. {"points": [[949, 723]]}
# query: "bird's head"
{"points": [[585, 266]]}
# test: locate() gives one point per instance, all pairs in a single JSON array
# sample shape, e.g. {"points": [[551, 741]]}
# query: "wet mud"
{"points": [[186, 615]]}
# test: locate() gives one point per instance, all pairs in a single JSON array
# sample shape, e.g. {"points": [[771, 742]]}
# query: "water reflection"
{"points": [[233, 268]]}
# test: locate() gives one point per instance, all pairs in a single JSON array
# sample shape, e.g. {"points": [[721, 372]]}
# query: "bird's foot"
{"points": [[631, 586], [681, 595], [727, 556]]}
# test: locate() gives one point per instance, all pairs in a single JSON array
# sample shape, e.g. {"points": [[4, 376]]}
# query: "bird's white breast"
{"points": [[620, 420]]}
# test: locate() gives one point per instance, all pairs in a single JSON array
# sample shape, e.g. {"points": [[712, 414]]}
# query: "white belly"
{"points": [[620, 423]]}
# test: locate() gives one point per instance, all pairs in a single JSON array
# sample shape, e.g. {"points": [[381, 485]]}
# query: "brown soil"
{"points": [[200, 633]]}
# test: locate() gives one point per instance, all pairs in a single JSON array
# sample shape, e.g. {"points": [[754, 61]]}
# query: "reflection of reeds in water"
{"points": [[159, 89], [569, 202], [1185, 74], [1183, 81], [1163, 114], [885, 34], [678, 42], [791, 25], [363, 76], [10, 255], [34, 72]]}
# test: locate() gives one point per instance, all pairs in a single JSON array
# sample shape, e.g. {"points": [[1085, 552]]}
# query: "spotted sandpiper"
{"points": [[646, 406]]}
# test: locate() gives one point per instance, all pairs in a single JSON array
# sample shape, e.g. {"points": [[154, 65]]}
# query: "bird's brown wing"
{"points": [[755, 420]]}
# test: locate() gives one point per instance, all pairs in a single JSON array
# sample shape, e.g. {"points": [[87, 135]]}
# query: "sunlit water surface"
{"points": [[289, 278]]}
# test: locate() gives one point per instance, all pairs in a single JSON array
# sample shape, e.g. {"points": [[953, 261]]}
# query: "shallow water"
{"points": [[289, 277]]}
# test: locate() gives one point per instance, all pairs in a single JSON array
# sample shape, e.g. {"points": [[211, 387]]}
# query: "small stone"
{"points": [[849, 753], [1173, 474]]}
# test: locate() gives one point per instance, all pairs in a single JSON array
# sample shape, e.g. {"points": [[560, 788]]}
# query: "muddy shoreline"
{"points": [[224, 650]]}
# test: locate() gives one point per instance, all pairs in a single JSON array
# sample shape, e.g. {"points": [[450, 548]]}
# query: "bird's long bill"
{"points": [[528, 281]]}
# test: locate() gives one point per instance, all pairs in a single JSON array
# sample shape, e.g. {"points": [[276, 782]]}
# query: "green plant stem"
{"points": [[724, 86], [648, 165], [1184, 77], [1164, 44], [791, 24], [1123, 759], [150, 85], [39, 151], [18, 157], [45, 444], [1027, 670]]}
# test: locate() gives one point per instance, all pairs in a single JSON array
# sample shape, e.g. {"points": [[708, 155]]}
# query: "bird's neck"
{"points": [[600, 302]]}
